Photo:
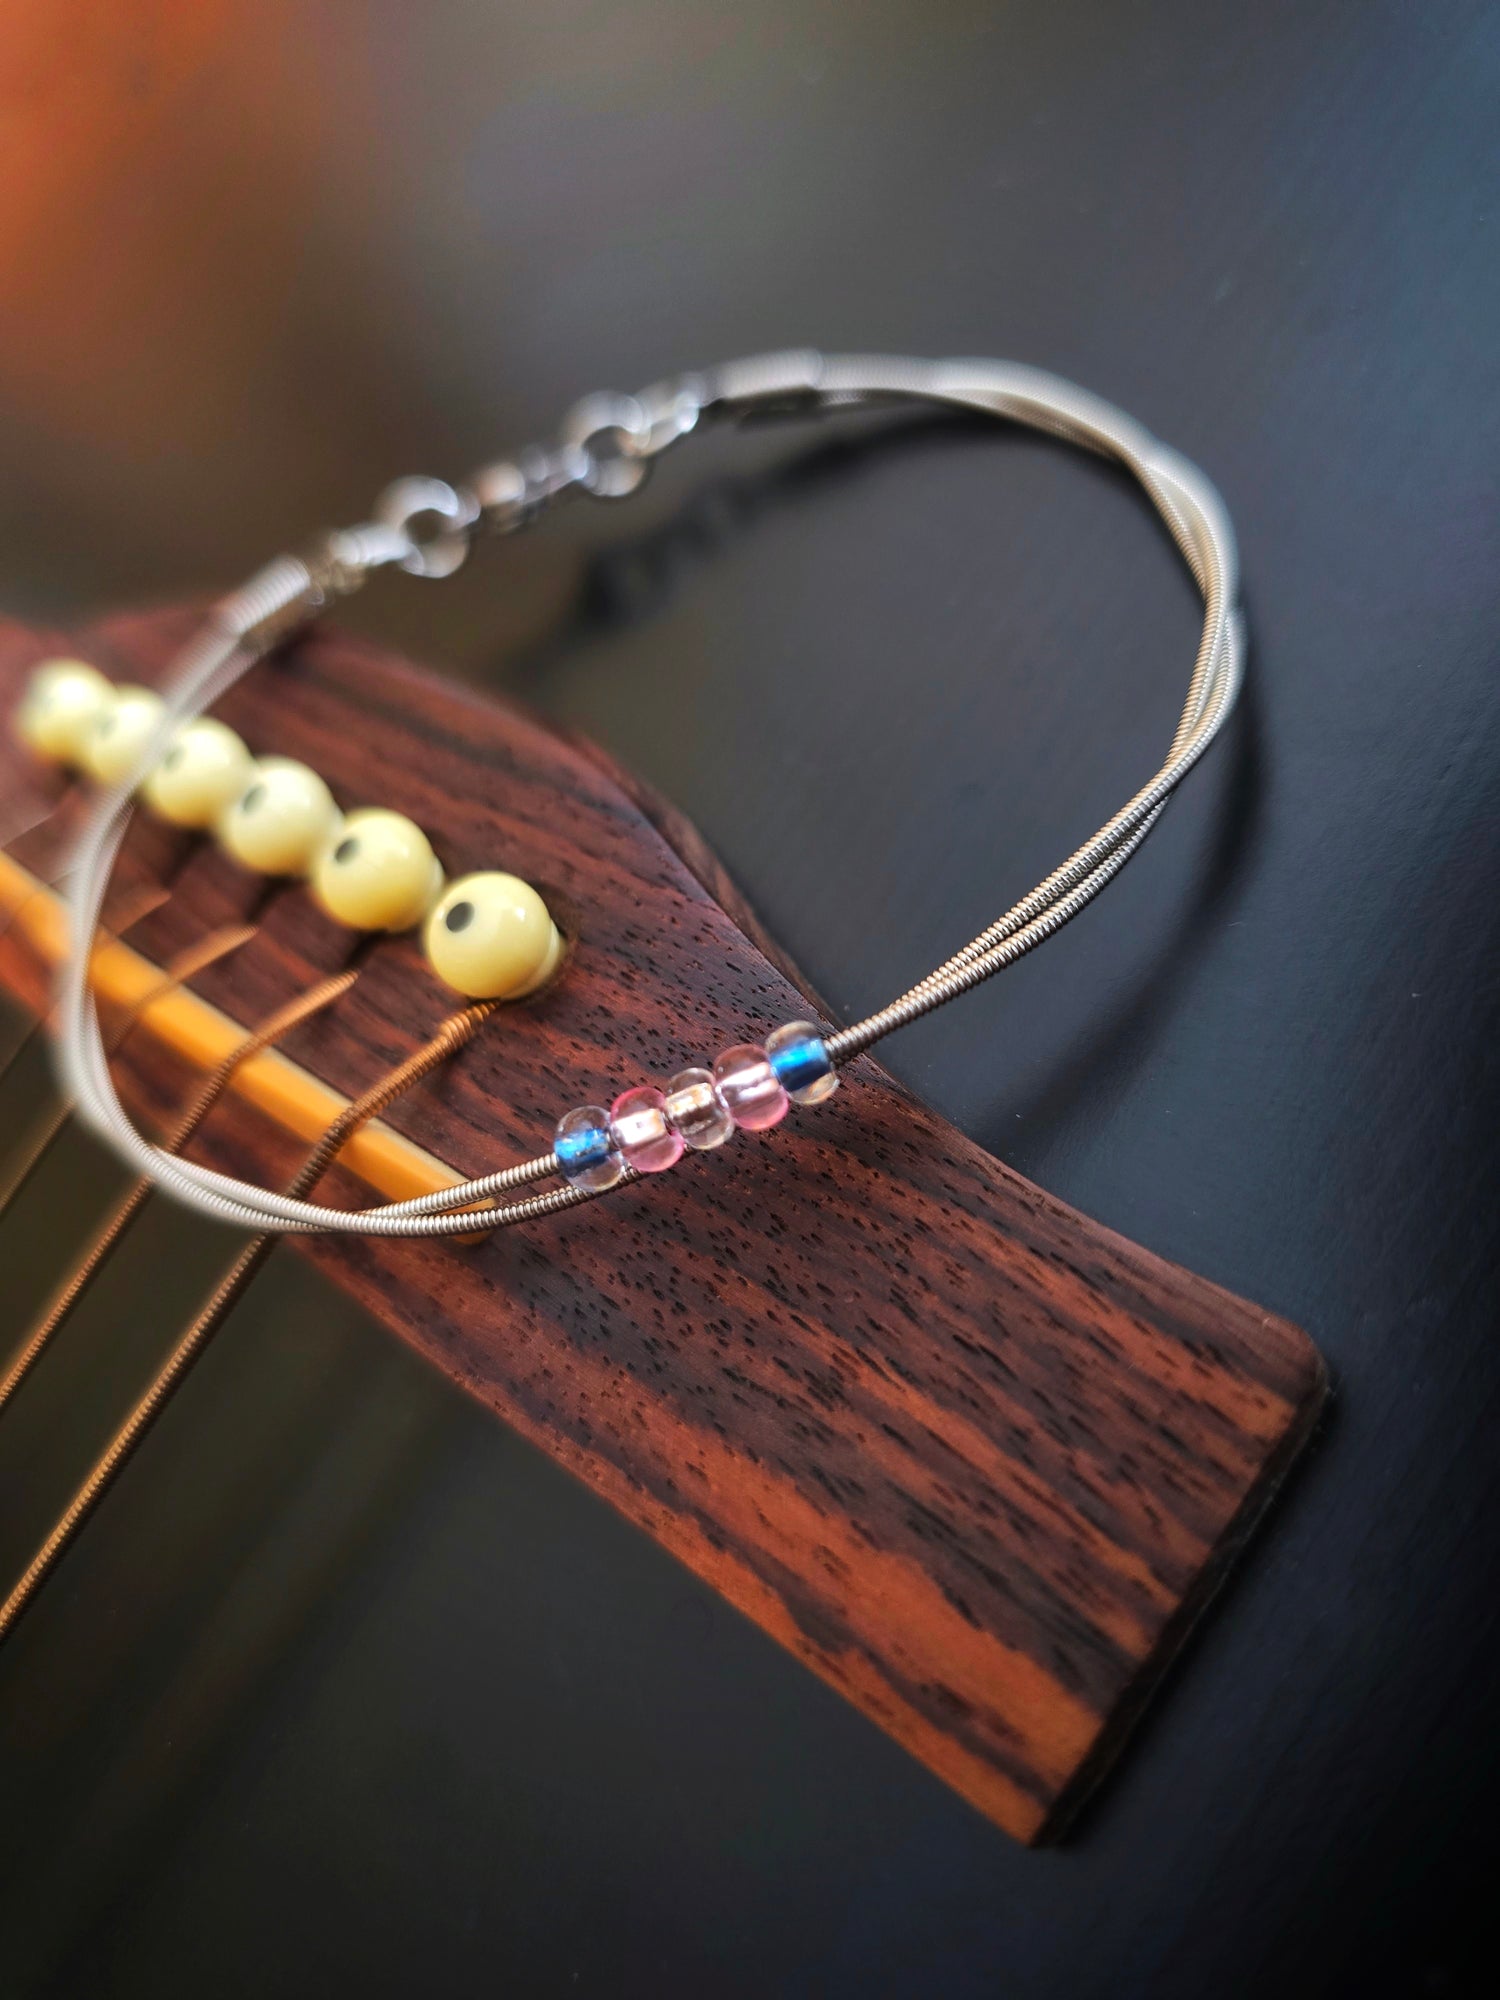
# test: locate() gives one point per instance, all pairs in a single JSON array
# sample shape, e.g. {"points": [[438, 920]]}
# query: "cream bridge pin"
{"points": [[973, 1459]]}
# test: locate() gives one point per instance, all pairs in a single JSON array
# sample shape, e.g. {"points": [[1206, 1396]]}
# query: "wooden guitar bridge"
{"points": [[976, 1461]]}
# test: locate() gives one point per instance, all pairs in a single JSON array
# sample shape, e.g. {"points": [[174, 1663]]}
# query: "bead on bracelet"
{"points": [[797, 1054], [643, 1134], [586, 1153], [749, 1088], [698, 1111]]}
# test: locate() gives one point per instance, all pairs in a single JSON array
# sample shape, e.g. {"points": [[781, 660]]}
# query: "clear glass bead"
{"points": [[801, 1062], [586, 1154], [750, 1088], [642, 1131], [697, 1110]]}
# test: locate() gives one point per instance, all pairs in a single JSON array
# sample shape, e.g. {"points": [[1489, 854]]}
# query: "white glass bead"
{"points": [[378, 873], [61, 700], [282, 820], [117, 737], [204, 767], [490, 936], [697, 1110]]}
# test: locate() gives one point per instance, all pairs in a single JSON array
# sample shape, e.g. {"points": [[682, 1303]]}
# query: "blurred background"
{"points": [[348, 1690]]}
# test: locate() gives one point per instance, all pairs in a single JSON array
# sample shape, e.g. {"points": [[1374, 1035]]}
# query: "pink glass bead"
{"points": [[641, 1129], [697, 1110], [750, 1088]]}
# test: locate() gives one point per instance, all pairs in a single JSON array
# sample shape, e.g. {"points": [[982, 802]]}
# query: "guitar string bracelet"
{"points": [[606, 448]]}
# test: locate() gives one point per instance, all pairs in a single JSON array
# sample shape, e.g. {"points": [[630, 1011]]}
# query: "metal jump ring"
{"points": [[436, 521], [613, 434]]}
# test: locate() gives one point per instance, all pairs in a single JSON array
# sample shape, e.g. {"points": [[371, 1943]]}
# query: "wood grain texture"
{"points": [[975, 1460]]}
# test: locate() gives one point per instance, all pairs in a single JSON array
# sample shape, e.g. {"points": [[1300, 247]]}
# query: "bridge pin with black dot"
{"points": [[116, 739], [378, 873], [62, 699], [491, 937], [283, 819], [204, 768]]}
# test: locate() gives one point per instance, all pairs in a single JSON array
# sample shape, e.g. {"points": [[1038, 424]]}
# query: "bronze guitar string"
{"points": [[452, 1036], [183, 966], [109, 1236], [141, 905]]}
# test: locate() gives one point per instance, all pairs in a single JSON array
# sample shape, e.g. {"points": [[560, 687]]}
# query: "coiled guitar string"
{"points": [[607, 446]]}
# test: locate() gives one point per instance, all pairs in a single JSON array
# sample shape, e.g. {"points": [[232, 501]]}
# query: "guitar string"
{"points": [[145, 901], [454, 1034], [180, 968], [17, 910], [11, 841], [605, 448], [108, 1238], [48, 881], [41, 823]]}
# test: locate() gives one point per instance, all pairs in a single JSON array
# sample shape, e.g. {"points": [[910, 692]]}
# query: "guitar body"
{"points": [[976, 1461]]}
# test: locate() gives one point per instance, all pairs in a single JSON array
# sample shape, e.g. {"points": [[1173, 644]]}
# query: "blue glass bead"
{"points": [[801, 1063], [586, 1154]]}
